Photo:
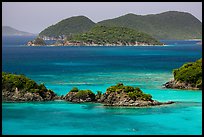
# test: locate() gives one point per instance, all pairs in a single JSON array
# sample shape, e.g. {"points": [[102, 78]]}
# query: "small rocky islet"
{"points": [[18, 88]]}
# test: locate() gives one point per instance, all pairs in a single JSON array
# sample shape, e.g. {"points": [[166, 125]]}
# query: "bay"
{"points": [[97, 68]]}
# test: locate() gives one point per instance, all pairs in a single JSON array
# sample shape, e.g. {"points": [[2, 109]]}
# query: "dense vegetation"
{"points": [[167, 25], [73, 25], [76, 95], [134, 93], [103, 35], [12, 81], [82, 93], [190, 73]]}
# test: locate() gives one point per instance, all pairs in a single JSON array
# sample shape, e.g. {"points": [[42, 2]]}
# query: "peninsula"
{"points": [[18, 88], [188, 76]]}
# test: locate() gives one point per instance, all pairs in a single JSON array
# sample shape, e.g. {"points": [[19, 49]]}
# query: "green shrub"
{"points": [[12, 81], [83, 94], [128, 89], [74, 89], [111, 89], [133, 93]]}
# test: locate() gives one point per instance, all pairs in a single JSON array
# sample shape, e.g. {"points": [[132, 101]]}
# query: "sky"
{"points": [[34, 17]]}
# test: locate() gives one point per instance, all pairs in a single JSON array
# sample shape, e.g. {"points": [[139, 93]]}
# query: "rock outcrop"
{"points": [[37, 42], [79, 96], [133, 97], [118, 95], [188, 76], [19, 88], [26, 96], [179, 85]]}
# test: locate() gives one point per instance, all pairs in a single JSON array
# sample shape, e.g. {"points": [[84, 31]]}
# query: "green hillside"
{"points": [[68, 26], [114, 35], [167, 25]]}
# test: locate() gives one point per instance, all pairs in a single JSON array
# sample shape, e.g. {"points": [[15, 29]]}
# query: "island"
{"points": [[113, 36], [188, 76], [117, 95], [168, 25], [107, 36], [18, 88]]}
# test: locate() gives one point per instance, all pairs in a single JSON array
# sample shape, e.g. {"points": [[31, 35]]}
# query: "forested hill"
{"points": [[104, 35], [167, 25], [73, 25]]}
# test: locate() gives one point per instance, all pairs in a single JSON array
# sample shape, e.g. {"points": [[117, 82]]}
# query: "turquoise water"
{"points": [[97, 68]]}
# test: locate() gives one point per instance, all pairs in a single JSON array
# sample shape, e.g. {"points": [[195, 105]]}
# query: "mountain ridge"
{"points": [[165, 25]]}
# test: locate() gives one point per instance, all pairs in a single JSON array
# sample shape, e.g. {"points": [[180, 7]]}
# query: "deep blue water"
{"points": [[97, 68]]}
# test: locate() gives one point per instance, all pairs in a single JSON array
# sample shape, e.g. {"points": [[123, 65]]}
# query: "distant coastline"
{"points": [[94, 45]]}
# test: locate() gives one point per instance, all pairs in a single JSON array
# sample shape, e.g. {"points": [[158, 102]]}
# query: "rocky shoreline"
{"points": [[188, 76], [70, 97], [118, 95], [24, 96], [174, 84], [93, 44], [40, 42]]}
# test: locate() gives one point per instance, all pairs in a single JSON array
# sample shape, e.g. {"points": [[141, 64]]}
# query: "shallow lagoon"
{"points": [[97, 68]]}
